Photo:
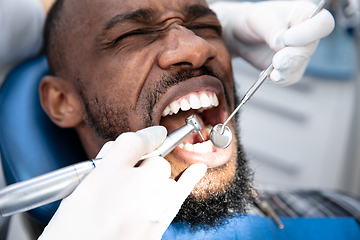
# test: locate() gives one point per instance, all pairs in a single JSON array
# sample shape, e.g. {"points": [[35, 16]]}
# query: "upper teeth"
{"points": [[200, 101]]}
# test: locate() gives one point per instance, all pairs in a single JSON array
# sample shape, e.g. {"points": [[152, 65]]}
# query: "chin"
{"points": [[225, 192]]}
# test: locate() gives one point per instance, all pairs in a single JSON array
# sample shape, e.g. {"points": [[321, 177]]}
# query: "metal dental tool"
{"points": [[56, 185], [177, 137], [221, 135]]}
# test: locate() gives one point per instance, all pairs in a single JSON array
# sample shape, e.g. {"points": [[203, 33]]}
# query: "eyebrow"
{"points": [[148, 15], [138, 16], [196, 11]]}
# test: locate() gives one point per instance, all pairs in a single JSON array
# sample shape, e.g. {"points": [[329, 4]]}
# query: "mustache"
{"points": [[168, 81]]}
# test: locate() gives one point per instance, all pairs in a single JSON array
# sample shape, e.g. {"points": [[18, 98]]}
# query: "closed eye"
{"points": [[204, 30], [130, 34]]}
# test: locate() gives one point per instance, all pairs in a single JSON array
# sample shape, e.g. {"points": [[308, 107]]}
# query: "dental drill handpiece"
{"points": [[58, 184], [221, 135]]}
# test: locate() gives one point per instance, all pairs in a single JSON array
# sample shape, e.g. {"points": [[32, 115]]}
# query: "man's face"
{"points": [[137, 63]]}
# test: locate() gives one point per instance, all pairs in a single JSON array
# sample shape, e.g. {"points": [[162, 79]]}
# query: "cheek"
{"points": [[223, 67], [225, 63], [119, 78]]}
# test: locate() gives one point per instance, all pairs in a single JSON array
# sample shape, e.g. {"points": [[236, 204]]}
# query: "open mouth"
{"points": [[210, 108], [203, 104]]}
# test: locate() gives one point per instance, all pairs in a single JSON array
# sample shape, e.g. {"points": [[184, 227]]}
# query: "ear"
{"points": [[60, 101]]}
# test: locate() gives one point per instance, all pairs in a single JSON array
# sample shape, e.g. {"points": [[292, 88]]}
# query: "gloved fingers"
{"points": [[259, 56], [293, 57], [278, 77], [155, 169], [310, 30], [106, 147], [170, 195], [128, 148], [161, 210], [180, 189], [289, 61], [288, 76], [265, 24], [187, 181], [154, 136], [162, 200], [282, 24], [190, 177]]}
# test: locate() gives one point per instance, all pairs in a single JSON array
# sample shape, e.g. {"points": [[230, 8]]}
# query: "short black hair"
{"points": [[53, 32]]}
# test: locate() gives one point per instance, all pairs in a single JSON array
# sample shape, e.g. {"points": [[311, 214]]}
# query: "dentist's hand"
{"points": [[256, 31], [118, 201]]}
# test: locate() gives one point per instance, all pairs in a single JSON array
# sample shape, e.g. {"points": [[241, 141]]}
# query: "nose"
{"points": [[182, 47]]}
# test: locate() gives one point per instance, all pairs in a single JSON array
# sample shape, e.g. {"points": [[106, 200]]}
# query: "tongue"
{"points": [[173, 122]]}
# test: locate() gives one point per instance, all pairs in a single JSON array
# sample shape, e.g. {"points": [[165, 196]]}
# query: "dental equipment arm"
{"points": [[56, 185]]}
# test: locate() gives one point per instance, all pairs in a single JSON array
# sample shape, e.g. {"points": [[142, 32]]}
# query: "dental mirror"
{"points": [[219, 139]]}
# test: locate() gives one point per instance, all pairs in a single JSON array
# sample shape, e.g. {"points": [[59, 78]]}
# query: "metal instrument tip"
{"points": [[201, 136]]}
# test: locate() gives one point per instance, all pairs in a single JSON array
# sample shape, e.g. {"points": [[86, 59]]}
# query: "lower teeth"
{"points": [[204, 147], [208, 129]]}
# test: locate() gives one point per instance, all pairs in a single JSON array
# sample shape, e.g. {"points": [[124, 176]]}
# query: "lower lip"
{"points": [[214, 159]]}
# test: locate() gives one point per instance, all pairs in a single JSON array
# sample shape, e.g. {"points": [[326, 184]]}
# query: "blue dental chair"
{"points": [[30, 143]]}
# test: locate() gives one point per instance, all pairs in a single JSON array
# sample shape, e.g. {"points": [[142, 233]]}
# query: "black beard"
{"points": [[216, 210]]}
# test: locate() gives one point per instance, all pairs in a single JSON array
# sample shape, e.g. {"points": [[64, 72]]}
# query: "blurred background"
{"points": [[308, 135]]}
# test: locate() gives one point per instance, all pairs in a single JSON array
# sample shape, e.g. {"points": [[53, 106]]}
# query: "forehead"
{"points": [[107, 9]]}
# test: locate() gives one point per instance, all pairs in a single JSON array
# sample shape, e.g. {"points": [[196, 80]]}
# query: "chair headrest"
{"points": [[30, 143]]}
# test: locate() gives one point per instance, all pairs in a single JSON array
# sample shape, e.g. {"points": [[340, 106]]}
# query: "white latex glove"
{"points": [[118, 201], [256, 31]]}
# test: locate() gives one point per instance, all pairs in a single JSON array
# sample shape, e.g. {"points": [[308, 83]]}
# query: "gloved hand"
{"points": [[256, 31], [118, 201]]}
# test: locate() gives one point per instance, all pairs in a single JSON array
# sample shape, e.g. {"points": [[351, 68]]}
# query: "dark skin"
{"points": [[115, 54]]}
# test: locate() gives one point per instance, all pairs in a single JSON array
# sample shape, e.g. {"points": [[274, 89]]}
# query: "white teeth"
{"points": [[184, 105], [214, 100], [204, 147], [197, 101], [205, 100], [208, 129], [166, 111], [189, 147], [175, 106], [198, 147]]}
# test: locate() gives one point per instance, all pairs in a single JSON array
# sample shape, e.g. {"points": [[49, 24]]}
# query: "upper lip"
{"points": [[201, 83]]}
